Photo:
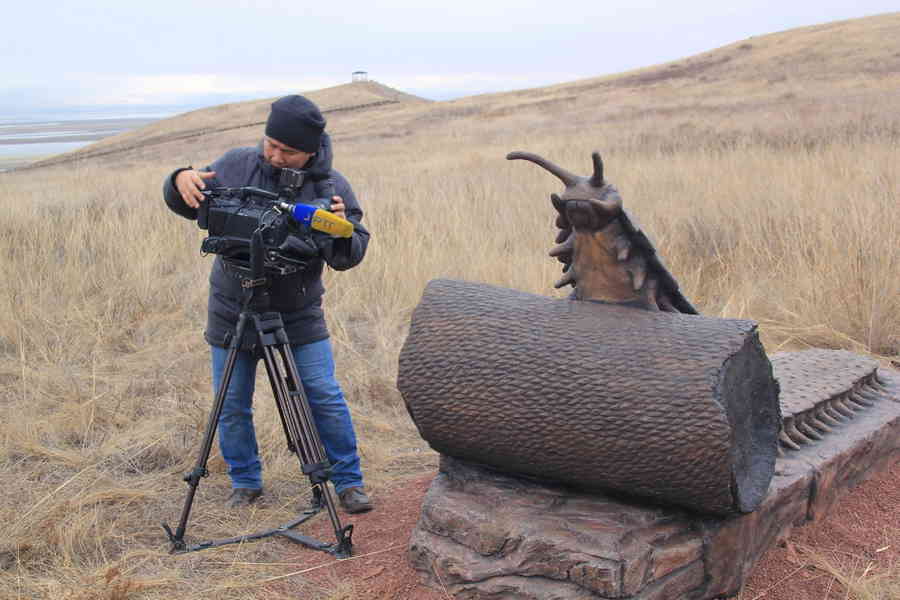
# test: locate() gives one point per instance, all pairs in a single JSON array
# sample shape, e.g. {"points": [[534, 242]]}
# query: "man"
{"points": [[294, 138]]}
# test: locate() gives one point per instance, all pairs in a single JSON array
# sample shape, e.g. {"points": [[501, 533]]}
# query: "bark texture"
{"points": [[679, 409]]}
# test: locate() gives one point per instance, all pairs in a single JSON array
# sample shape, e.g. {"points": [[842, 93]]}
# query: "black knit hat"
{"points": [[296, 122]]}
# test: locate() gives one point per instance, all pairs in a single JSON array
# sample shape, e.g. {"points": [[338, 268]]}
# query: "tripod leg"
{"points": [[284, 424], [302, 432], [293, 406], [193, 477]]}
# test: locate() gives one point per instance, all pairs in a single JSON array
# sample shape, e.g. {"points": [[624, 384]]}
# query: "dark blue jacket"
{"points": [[297, 296]]}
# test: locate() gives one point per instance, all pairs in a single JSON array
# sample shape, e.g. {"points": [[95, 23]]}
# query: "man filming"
{"points": [[294, 138]]}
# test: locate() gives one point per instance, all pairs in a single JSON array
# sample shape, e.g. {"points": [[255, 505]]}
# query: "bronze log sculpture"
{"points": [[681, 409]]}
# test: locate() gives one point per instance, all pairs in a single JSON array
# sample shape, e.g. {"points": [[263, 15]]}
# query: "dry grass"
{"points": [[842, 574], [857, 577], [782, 212]]}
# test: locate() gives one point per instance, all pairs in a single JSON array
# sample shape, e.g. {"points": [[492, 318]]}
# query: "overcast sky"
{"points": [[112, 52]]}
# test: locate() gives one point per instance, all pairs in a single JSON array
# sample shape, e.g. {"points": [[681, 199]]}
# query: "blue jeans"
{"points": [[237, 438]]}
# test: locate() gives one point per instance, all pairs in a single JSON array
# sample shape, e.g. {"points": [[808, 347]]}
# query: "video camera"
{"points": [[287, 229]]}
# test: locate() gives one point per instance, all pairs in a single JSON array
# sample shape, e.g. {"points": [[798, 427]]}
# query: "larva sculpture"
{"points": [[607, 256], [661, 457]]}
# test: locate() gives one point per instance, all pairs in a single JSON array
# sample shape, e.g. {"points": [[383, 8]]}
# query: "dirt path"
{"points": [[862, 532]]}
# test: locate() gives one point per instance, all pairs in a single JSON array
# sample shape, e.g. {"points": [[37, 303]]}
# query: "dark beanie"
{"points": [[296, 122]]}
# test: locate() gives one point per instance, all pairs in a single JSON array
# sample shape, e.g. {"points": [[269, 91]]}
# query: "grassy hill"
{"points": [[241, 120], [766, 171], [803, 79]]}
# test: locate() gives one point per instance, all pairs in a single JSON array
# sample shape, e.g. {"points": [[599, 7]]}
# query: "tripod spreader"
{"points": [[318, 472], [342, 548]]}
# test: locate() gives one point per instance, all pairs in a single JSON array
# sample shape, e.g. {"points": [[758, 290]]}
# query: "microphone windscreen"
{"points": [[322, 220]]}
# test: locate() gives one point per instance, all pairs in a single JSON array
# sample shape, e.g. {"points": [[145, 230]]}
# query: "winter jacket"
{"points": [[297, 296]]}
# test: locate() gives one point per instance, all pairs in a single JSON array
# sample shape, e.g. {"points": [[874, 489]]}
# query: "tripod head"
{"points": [[255, 284]]}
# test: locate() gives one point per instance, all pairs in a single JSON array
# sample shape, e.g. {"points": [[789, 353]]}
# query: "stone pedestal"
{"points": [[492, 536]]}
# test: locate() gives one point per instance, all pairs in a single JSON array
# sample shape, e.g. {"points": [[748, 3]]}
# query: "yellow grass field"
{"points": [[767, 175]]}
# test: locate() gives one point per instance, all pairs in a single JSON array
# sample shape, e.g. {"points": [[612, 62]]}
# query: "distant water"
{"points": [[29, 135]]}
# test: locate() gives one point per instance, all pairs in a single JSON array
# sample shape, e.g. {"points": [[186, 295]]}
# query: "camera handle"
{"points": [[296, 419]]}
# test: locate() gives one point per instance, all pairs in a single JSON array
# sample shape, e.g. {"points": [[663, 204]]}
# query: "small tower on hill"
{"points": [[360, 76]]}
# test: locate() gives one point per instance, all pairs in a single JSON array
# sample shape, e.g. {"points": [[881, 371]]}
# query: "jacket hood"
{"points": [[318, 168]]}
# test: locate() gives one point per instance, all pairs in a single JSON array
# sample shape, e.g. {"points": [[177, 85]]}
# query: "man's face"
{"points": [[283, 156]]}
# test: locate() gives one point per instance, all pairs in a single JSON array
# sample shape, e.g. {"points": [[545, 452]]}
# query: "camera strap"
{"points": [[324, 188]]}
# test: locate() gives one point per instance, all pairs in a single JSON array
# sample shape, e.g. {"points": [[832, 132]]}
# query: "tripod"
{"points": [[296, 419]]}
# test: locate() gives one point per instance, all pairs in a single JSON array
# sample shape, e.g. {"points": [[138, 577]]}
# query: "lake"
{"points": [[28, 136]]}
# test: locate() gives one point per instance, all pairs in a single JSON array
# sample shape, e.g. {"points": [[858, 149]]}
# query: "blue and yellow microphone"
{"points": [[318, 219]]}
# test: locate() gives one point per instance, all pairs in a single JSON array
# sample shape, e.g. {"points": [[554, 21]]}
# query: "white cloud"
{"points": [[177, 88], [469, 80], [449, 85], [84, 89]]}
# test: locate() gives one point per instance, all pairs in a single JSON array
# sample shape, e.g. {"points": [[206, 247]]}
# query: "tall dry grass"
{"points": [[856, 576], [104, 378]]}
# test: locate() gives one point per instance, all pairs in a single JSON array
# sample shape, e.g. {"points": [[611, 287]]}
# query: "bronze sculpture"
{"points": [[640, 411], [607, 256]]}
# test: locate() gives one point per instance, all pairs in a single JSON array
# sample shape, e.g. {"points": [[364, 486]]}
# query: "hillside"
{"points": [[835, 70], [213, 121], [798, 76]]}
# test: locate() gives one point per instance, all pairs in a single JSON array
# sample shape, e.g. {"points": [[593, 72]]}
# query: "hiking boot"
{"points": [[242, 497], [354, 500]]}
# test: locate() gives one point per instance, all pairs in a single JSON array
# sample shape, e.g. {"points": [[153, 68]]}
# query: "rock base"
{"points": [[485, 535]]}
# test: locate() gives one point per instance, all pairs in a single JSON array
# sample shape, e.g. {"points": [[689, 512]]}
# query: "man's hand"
{"points": [[337, 207], [190, 182]]}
